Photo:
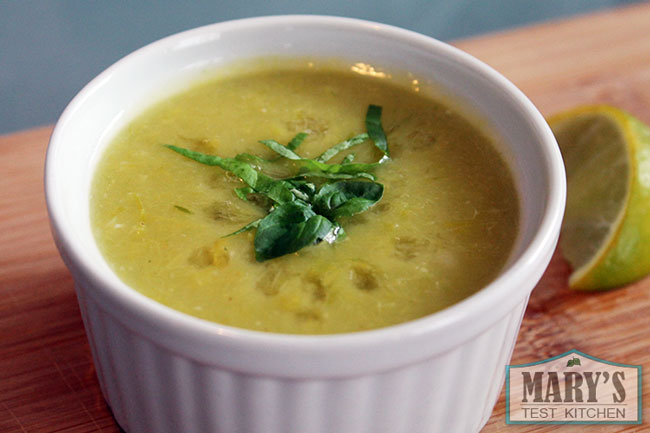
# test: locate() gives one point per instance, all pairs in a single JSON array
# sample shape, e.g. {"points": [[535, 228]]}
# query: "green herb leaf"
{"points": [[347, 198], [246, 228], [308, 187], [297, 140], [182, 209], [332, 151], [348, 158], [288, 228], [302, 189], [249, 158], [277, 147], [243, 192], [375, 130], [337, 176], [299, 194], [311, 165], [280, 149], [275, 189]]}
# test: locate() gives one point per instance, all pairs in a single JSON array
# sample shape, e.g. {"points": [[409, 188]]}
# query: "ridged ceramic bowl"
{"points": [[163, 371]]}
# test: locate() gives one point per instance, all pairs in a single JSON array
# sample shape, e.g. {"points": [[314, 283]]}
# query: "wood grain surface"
{"points": [[47, 381]]}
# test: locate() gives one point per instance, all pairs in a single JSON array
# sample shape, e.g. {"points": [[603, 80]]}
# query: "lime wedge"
{"points": [[606, 230]]}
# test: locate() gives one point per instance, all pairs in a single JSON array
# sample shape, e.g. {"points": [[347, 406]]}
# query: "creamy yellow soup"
{"points": [[443, 229]]}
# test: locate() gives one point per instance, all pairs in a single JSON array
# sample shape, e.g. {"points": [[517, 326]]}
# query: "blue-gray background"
{"points": [[50, 49]]}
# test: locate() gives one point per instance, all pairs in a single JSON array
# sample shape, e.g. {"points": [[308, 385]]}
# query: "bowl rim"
{"points": [[498, 291]]}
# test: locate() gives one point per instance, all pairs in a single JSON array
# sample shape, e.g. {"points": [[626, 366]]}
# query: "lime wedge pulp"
{"points": [[606, 230]]}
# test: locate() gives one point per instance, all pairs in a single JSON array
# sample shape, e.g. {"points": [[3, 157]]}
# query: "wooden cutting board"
{"points": [[47, 381]]}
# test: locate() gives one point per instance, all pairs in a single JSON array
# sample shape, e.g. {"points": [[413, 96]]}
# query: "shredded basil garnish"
{"points": [[305, 207], [332, 151], [375, 130], [297, 141]]}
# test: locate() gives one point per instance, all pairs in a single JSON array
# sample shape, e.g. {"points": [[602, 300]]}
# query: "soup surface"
{"points": [[443, 229]]}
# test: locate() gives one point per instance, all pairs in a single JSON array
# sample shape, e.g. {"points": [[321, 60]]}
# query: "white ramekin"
{"points": [[163, 371]]}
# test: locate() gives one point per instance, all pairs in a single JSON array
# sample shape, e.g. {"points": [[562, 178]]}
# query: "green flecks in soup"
{"points": [[444, 227]]}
